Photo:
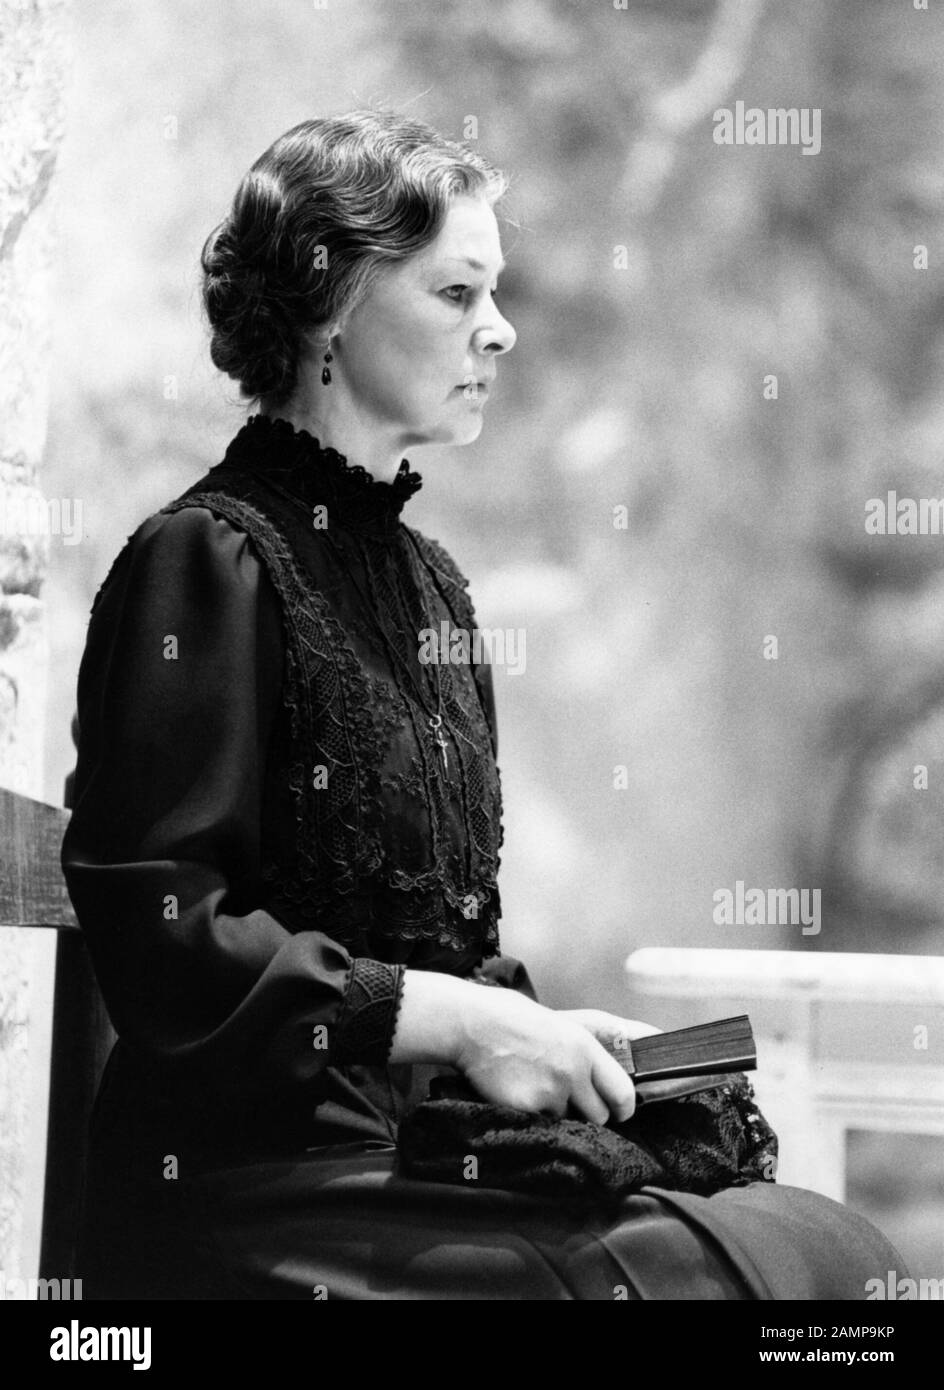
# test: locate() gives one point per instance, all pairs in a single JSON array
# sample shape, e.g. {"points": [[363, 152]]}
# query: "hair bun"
{"points": [[252, 340]]}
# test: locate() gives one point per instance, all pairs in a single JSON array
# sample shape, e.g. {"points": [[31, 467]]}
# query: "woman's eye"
{"points": [[459, 293]]}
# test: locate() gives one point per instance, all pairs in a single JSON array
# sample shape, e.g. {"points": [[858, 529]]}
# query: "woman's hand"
{"points": [[609, 1029], [516, 1052], [519, 1053]]}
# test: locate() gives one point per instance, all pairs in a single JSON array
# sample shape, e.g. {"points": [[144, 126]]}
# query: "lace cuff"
{"points": [[368, 1015]]}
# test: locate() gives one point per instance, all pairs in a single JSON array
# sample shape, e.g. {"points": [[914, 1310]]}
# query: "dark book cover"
{"points": [[665, 1066]]}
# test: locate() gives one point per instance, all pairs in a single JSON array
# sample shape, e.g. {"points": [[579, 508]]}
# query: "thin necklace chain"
{"points": [[437, 722]]}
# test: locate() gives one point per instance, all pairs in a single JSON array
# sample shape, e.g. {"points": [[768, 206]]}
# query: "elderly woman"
{"points": [[285, 839]]}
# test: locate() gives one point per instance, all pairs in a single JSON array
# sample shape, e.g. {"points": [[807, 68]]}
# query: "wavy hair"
{"points": [[314, 219]]}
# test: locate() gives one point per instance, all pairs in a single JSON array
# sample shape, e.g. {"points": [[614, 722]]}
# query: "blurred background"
{"points": [[651, 753]]}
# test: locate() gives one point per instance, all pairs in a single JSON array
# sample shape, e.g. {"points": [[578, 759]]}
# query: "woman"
{"points": [[286, 829]]}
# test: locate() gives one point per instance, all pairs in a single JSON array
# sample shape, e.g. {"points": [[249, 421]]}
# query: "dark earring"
{"points": [[326, 370]]}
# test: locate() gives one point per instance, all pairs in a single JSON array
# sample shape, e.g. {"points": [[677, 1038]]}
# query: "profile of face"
{"points": [[417, 356]]}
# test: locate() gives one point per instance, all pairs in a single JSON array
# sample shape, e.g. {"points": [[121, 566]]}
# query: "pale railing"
{"points": [[845, 1041]]}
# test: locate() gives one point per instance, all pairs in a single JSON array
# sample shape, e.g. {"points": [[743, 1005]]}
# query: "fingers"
{"points": [[613, 1086], [631, 1028], [610, 1029], [587, 1101]]}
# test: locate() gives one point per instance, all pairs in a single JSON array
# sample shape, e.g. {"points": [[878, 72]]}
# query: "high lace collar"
{"points": [[319, 475]]}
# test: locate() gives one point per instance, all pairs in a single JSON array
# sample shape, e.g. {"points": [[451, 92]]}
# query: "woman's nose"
{"points": [[496, 336]]}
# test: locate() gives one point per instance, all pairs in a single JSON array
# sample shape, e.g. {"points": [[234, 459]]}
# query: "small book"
{"points": [[665, 1066]]}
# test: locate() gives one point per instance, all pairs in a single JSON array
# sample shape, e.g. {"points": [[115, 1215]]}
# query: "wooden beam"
{"points": [[32, 889]]}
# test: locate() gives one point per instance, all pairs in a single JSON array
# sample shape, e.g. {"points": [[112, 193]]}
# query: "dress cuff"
{"points": [[368, 1017]]}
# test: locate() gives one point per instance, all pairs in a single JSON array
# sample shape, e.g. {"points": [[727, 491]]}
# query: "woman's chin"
{"points": [[468, 430], [452, 432]]}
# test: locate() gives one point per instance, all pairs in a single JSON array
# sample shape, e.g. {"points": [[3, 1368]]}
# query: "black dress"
{"points": [[266, 831]]}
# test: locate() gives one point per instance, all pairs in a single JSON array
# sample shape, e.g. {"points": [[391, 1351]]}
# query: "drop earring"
{"points": [[326, 370]]}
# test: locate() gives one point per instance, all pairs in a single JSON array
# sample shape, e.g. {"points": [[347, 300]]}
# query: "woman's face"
{"points": [[418, 355]]}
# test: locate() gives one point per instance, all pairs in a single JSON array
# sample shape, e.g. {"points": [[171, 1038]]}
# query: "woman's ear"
{"points": [[320, 340]]}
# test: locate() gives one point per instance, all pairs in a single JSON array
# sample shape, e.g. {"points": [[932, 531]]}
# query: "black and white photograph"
{"points": [[471, 666]]}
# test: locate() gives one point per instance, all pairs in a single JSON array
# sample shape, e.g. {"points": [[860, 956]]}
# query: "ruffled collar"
{"points": [[319, 475]]}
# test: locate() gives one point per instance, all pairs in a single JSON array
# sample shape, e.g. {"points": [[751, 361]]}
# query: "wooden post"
{"points": [[34, 52]]}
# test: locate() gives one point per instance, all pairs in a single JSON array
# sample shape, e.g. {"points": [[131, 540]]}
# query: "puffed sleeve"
{"points": [[502, 970], [179, 687]]}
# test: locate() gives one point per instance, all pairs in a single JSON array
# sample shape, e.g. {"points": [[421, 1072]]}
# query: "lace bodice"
{"points": [[395, 853]]}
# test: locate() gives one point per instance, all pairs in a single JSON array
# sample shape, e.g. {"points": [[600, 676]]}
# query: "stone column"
{"points": [[34, 52]]}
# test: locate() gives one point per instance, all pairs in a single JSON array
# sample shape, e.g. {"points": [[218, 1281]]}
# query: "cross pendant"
{"points": [[435, 723]]}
